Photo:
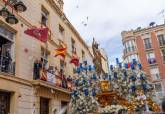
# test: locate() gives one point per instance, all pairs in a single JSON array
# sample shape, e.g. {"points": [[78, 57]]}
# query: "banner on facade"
{"points": [[51, 78]]}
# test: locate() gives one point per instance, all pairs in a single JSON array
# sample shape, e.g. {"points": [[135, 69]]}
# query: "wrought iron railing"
{"points": [[58, 81], [6, 65]]}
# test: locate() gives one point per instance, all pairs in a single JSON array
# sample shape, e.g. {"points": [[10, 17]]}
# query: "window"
{"points": [[4, 102], [73, 45], [150, 55], [158, 87], [61, 4], [155, 73], [129, 46], [163, 54], [161, 39], [83, 55], [147, 43], [61, 29], [44, 56], [44, 17], [151, 58]]}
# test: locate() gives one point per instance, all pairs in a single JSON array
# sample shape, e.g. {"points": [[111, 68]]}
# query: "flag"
{"points": [[38, 33], [75, 60], [43, 75], [60, 52]]}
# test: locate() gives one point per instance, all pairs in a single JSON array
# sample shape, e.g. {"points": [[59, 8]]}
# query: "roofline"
{"points": [[68, 23], [144, 29]]}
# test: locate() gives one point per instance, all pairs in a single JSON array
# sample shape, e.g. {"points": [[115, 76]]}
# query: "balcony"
{"points": [[6, 65], [151, 60], [50, 77]]}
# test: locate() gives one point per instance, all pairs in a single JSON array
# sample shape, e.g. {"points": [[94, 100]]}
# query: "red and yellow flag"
{"points": [[60, 52]]}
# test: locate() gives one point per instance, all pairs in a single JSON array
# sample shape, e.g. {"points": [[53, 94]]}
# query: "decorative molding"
{"points": [[13, 78]]}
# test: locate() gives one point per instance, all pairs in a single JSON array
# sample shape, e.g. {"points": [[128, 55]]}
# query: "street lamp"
{"points": [[18, 6], [11, 19]]}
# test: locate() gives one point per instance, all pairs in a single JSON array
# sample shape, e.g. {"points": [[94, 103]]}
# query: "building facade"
{"points": [[20, 91], [148, 47], [105, 62]]}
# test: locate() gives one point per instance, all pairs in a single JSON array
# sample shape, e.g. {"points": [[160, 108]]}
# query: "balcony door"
{"points": [[44, 105], [4, 103]]}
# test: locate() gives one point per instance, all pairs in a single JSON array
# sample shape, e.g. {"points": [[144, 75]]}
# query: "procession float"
{"points": [[125, 90]]}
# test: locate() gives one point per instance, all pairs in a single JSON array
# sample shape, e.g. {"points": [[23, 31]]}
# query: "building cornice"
{"points": [[15, 79], [18, 80], [146, 30], [49, 85]]}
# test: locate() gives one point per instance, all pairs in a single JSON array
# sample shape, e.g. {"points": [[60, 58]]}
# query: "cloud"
{"points": [[108, 18]]}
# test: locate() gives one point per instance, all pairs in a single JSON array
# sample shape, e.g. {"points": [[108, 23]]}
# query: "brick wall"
{"points": [[142, 54]]}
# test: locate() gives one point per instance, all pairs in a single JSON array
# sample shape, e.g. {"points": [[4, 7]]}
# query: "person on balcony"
{"points": [[64, 82], [8, 60]]}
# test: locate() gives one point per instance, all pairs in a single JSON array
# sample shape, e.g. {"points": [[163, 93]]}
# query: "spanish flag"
{"points": [[60, 52], [43, 75]]}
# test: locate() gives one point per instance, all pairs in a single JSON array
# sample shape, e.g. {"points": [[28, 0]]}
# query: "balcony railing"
{"points": [[152, 61], [162, 43], [51, 77], [6, 65], [148, 46]]}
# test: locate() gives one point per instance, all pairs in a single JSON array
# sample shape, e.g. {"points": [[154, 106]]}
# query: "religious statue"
{"points": [[97, 60]]}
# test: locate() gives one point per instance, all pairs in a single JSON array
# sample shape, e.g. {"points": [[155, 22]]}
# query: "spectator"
{"points": [[8, 60]]}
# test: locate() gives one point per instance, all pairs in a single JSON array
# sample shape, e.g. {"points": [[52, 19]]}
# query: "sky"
{"points": [[106, 19]]}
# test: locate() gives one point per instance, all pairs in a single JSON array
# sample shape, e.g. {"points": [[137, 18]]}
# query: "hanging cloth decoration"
{"points": [[75, 59], [38, 33]]}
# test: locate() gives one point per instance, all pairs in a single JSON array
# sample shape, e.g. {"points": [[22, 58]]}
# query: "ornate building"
{"points": [[20, 91], [148, 47]]}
